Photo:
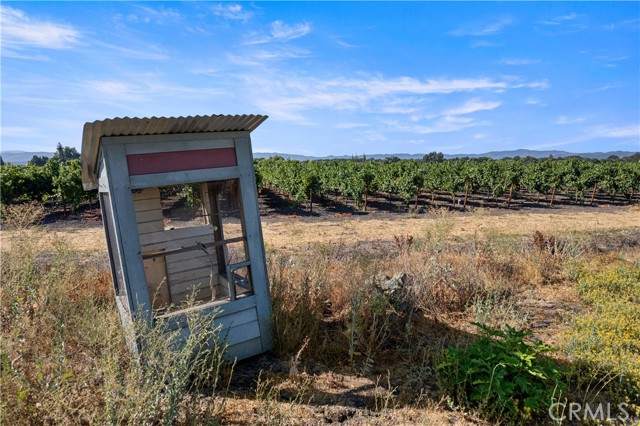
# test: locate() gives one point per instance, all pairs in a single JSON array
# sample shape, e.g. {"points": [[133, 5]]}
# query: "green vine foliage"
{"points": [[502, 376]]}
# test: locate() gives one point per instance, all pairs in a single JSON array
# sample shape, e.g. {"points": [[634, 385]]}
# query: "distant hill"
{"points": [[543, 154], [492, 154], [23, 157]]}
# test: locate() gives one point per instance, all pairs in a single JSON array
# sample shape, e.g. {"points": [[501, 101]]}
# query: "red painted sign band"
{"points": [[179, 161]]}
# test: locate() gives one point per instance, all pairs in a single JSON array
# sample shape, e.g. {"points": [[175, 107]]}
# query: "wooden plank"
{"points": [[126, 231], [186, 145], [150, 227], [203, 261], [244, 350], [180, 161], [194, 275], [232, 334], [175, 139], [149, 221], [183, 177], [255, 243], [176, 234], [179, 244], [224, 308], [224, 322], [202, 294], [157, 282], [145, 205], [155, 253], [241, 333], [179, 257], [146, 194], [155, 215]]}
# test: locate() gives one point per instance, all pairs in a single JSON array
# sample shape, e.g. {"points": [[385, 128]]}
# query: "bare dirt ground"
{"points": [[290, 232], [335, 396]]}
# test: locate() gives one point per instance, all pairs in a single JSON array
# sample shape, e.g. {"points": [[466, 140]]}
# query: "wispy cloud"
{"points": [[232, 11], [483, 28], [283, 32], [146, 15], [135, 54], [351, 125], [561, 19], [18, 132], [260, 57], [446, 124], [629, 132], [627, 24], [471, 106], [611, 61], [534, 101], [563, 119], [288, 96], [116, 90], [451, 119], [20, 31], [519, 61], [564, 24], [278, 31], [482, 44], [606, 87]]}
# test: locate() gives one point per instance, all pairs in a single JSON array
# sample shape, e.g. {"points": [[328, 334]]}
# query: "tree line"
{"points": [[58, 178], [581, 179], [46, 179]]}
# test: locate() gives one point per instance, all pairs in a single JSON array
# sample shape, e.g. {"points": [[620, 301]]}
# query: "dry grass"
{"points": [[376, 317]]}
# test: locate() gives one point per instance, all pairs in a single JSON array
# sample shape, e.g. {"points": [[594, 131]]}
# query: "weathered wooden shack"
{"points": [[180, 212]]}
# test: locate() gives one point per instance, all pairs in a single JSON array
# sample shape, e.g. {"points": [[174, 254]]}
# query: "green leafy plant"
{"points": [[502, 375], [604, 341]]}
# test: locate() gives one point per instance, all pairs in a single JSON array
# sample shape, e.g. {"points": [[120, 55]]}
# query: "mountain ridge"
{"points": [[23, 157]]}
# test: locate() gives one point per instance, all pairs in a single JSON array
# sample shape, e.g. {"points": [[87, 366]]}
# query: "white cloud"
{"points": [[626, 24], [283, 32], [483, 29], [115, 90], [18, 132], [287, 97], [482, 43], [559, 20], [278, 31], [351, 125], [606, 87], [442, 125], [519, 61], [563, 119], [21, 31], [631, 131], [564, 24], [534, 101], [471, 106], [259, 57], [232, 11], [136, 54]]}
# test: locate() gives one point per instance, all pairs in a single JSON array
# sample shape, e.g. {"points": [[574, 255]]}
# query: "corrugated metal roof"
{"points": [[154, 126]]}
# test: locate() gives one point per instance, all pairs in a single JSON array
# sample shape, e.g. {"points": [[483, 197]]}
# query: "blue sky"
{"points": [[334, 77]]}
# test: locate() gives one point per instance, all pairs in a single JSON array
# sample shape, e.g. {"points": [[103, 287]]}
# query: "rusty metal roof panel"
{"points": [[126, 126]]}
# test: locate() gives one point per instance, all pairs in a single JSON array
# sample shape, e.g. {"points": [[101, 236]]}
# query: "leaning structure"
{"points": [[180, 212]]}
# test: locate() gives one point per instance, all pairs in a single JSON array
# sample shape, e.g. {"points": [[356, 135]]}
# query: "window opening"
{"points": [[194, 244]]}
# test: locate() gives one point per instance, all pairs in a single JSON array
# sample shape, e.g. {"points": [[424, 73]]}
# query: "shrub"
{"points": [[605, 340], [501, 375], [63, 358]]}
